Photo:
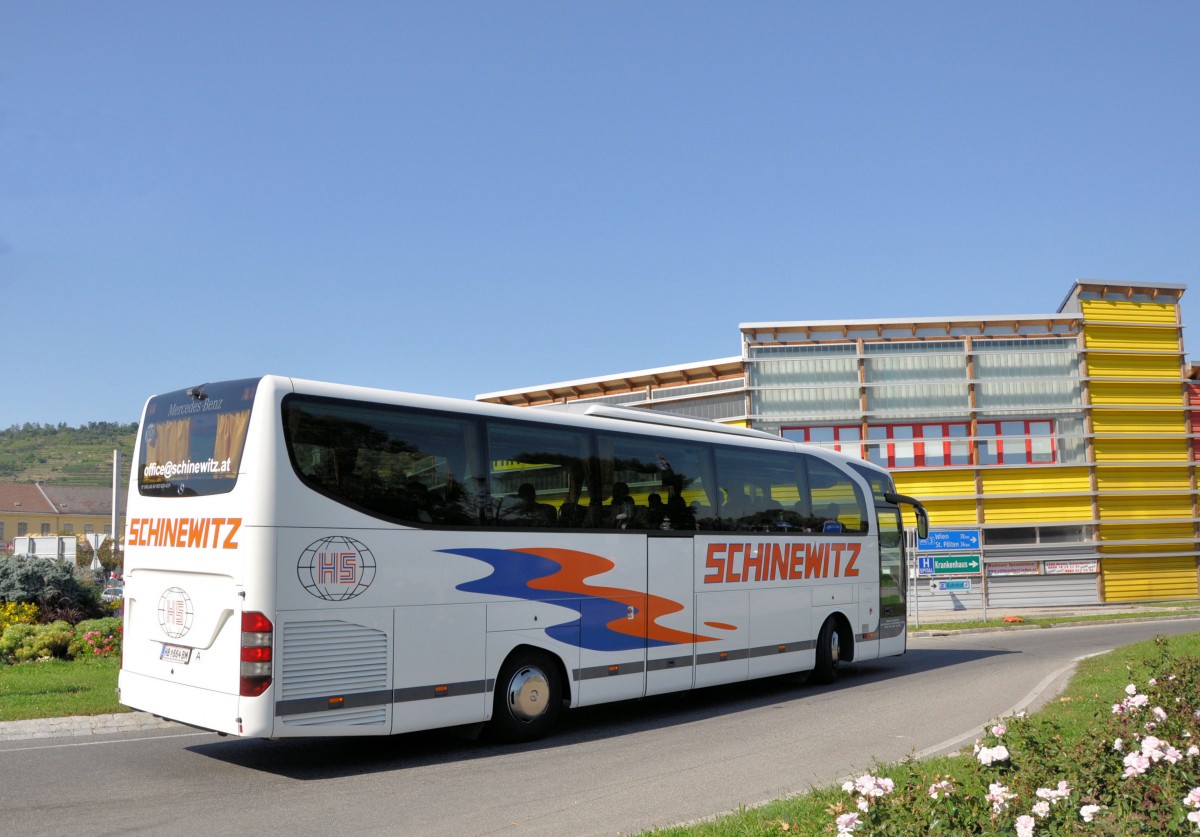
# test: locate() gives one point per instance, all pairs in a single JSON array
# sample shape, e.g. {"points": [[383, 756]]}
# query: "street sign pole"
{"points": [[983, 585], [913, 571], [916, 596], [116, 507]]}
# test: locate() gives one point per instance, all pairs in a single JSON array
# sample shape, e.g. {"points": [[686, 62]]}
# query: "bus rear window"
{"points": [[192, 439]]}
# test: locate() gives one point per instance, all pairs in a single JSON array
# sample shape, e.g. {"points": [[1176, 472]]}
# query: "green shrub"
{"points": [[14, 637], [22, 643], [52, 585]]}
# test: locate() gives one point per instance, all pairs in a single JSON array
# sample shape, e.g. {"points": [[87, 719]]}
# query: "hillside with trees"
{"points": [[65, 455]]}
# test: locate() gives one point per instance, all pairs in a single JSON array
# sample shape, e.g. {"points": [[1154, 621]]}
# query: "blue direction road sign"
{"points": [[951, 585], [949, 540]]}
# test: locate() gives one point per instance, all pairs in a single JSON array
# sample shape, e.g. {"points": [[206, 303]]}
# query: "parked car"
{"points": [[113, 594]]}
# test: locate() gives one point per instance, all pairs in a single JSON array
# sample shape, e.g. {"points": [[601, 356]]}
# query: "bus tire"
{"points": [[528, 697], [829, 652]]}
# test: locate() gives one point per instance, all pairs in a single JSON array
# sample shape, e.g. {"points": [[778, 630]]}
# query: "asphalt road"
{"points": [[617, 769]]}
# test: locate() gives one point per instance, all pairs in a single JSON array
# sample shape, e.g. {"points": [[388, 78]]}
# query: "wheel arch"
{"points": [[841, 622], [531, 648], [846, 635]]}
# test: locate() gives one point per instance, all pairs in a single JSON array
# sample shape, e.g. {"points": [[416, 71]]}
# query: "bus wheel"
{"points": [[829, 651], [528, 698]]}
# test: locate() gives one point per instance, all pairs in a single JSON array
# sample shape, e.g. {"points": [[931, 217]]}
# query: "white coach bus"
{"points": [[308, 559]]}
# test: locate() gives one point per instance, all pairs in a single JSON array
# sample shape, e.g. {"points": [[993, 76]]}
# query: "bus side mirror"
{"points": [[922, 515], [922, 522]]}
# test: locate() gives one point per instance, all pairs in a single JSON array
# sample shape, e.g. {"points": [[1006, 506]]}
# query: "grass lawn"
{"points": [[56, 688]]}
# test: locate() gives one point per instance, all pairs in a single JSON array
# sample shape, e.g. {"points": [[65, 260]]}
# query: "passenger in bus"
{"points": [[621, 495], [528, 511], [622, 508], [572, 515], [680, 515], [656, 512]]}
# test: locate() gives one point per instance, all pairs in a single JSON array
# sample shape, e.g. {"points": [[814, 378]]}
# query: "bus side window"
{"points": [[536, 475], [653, 483], [760, 490], [836, 500]]}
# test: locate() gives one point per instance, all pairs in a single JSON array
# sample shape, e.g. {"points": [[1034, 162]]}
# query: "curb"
{"points": [[81, 725]]}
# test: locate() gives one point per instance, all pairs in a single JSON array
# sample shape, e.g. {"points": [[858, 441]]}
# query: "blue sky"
{"points": [[457, 198]]}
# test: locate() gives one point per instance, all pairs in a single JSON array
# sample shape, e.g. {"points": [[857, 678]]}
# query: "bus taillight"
{"points": [[256, 654]]}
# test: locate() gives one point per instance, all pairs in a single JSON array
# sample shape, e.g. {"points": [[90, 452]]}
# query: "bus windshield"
{"points": [[193, 439]]}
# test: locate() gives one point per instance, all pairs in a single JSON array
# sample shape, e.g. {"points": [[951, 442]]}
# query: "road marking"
{"points": [[952, 745]]}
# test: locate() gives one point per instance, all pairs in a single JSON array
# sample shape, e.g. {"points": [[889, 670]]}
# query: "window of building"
{"points": [[89, 529], [845, 439], [1030, 535], [958, 448], [1013, 536], [1041, 442], [22, 530], [878, 453], [932, 445], [45, 528], [903, 449], [895, 447], [1016, 442], [68, 528]]}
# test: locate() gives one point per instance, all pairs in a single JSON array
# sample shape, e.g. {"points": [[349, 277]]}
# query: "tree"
{"points": [[84, 554]]}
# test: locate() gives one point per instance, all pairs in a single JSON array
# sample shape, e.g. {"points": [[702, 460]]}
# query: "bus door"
{"points": [[893, 612], [670, 652], [722, 612], [612, 654]]}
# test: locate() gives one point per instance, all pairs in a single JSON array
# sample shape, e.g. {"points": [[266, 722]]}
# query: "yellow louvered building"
{"points": [[1065, 440], [1136, 399]]}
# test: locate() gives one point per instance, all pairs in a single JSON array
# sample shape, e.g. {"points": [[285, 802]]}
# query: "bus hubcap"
{"points": [[527, 694]]}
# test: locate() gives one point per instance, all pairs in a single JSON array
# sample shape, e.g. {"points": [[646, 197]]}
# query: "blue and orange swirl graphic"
{"points": [[560, 576]]}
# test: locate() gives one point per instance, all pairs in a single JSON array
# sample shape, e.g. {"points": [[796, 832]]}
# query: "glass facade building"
{"points": [[1067, 441]]}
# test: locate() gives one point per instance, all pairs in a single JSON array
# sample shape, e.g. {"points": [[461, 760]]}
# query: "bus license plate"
{"points": [[176, 654]]}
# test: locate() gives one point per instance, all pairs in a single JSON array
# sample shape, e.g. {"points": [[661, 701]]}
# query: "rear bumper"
{"points": [[203, 708]]}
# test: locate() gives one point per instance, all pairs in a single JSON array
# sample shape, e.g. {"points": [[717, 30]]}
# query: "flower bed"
{"points": [[1136, 772]]}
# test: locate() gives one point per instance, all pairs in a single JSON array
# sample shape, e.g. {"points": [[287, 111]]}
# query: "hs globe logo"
{"points": [[336, 568]]}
